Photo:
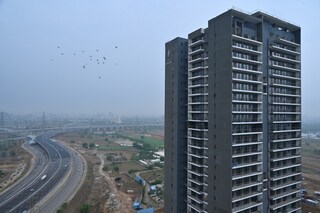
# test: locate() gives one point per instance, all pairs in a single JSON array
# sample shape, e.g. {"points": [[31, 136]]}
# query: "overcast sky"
{"points": [[36, 77]]}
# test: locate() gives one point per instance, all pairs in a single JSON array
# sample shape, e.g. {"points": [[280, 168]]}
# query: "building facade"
{"points": [[233, 117]]}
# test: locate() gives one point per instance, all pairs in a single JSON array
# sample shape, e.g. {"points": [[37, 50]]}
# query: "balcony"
{"points": [[286, 166], [284, 148], [242, 165], [245, 185], [198, 76], [196, 189], [285, 203], [196, 173], [284, 185], [286, 130], [297, 112], [245, 60], [286, 94], [196, 181], [285, 139], [247, 81], [285, 76], [283, 49], [285, 85], [198, 50], [284, 59], [198, 59], [284, 194], [282, 176], [284, 157], [246, 130], [237, 176], [197, 94], [246, 112], [293, 210], [245, 196], [197, 208], [247, 70], [198, 164], [196, 199], [246, 133], [197, 68], [284, 67], [291, 43], [205, 84], [246, 122], [247, 40], [246, 143], [244, 207], [200, 41], [248, 153]]}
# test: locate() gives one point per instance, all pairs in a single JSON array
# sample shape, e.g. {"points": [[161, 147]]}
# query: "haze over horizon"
{"points": [[86, 57]]}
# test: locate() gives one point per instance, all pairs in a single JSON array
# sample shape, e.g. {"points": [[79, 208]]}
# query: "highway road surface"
{"points": [[56, 175]]}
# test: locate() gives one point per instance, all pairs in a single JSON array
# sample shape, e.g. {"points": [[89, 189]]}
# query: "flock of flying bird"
{"points": [[101, 60]]}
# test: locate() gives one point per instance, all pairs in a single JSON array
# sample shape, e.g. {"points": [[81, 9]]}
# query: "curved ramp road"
{"points": [[55, 164]]}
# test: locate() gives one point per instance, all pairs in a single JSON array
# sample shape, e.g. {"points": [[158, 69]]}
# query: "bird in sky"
{"points": [[99, 77], [58, 47], [84, 66], [61, 53], [97, 50], [116, 47], [104, 58]]}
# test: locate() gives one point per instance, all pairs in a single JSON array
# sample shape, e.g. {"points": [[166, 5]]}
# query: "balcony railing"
{"points": [[244, 207], [236, 176], [283, 185], [245, 185], [284, 194], [246, 196], [284, 203]]}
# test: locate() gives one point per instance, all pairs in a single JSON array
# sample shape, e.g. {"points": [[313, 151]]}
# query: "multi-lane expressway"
{"points": [[56, 174]]}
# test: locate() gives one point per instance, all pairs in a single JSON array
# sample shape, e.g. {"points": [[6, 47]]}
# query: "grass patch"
{"points": [[113, 148], [310, 148], [155, 142]]}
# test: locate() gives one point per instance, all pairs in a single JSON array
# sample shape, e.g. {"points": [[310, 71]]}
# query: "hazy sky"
{"points": [[36, 77]]}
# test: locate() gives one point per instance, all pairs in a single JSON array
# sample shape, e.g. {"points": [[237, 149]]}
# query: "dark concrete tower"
{"points": [[243, 130], [175, 125]]}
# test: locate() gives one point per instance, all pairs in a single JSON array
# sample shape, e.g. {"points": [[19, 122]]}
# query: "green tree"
{"points": [[116, 169], [84, 208], [91, 145], [85, 145]]}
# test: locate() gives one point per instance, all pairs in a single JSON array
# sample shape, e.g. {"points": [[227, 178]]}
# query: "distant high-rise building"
{"points": [[2, 119], [233, 116], [44, 120]]}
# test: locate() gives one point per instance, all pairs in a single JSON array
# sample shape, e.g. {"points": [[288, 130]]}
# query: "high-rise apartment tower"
{"points": [[233, 117]]}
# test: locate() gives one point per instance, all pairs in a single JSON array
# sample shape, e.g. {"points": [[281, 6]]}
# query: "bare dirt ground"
{"points": [[100, 189], [310, 172], [14, 168]]}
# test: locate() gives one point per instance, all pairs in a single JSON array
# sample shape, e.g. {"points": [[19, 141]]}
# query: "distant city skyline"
{"points": [[45, 50]]}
